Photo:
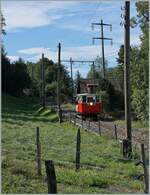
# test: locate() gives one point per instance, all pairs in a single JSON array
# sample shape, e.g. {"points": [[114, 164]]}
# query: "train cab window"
{"points": [[90, 99], [83, 99]]}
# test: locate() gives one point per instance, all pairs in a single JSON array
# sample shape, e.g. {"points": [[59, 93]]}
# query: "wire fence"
{"points": [[69, 149], [94, 127]]}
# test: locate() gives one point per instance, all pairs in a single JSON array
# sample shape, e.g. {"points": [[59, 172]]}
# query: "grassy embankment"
{"points": [[19, 175], [139, 125], [117, 117]]}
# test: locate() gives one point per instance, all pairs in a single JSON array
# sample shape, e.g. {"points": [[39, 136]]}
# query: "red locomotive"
{"points": [[89, 104]]}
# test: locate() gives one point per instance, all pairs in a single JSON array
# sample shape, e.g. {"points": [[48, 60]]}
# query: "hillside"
{"points": [[103, 170]]}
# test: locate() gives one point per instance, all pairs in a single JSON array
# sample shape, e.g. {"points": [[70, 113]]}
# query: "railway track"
{"points": [[106, 127]]}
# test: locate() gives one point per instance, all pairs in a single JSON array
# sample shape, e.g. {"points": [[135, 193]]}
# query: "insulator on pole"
{"points": [[122, 8], [122, 16]]}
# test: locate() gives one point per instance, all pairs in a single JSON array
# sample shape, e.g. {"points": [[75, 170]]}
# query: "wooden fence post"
{"points": [[78, 150], [51, 177], [38, 151], [125, 147], [121, 146], [145, 169], [116, 135], [99, 127]]}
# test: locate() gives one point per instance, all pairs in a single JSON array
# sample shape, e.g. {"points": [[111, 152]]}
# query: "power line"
{"points": [[79, 61]]}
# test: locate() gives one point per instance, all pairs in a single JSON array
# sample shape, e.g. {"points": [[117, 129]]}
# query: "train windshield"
{"points": [[90, 99]]}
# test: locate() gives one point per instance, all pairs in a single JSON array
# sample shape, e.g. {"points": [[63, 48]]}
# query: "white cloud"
{"points": [[135, 39], [86, 52], [76, 27], [29, 14], [13, 58]]}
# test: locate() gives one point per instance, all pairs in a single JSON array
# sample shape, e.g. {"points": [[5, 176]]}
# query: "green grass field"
{"points": [[19, 169]]}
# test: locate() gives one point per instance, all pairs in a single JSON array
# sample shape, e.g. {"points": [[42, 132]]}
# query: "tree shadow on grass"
{"points": [[12, 122], [27, 118], [17, 111]]}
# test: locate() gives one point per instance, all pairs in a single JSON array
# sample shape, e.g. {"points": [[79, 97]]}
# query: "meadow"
{"points": [[20, 117]]}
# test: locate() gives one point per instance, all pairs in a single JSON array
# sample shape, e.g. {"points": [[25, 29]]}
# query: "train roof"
{"points": [[87, 94]]}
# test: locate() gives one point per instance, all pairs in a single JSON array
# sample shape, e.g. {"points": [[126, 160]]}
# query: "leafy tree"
{"points": [[140, 69], [51, 89], [99, 65], [138, 63], [112, 98], [20, 79], [6, 72], [77, 82], [3, 24], [50, 79]]}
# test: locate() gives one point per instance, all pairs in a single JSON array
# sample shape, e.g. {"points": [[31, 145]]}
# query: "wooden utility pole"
{"points": [[71, 75], [58, 83], [127, 76], [103, 58], [43, 81], [102, 42]]}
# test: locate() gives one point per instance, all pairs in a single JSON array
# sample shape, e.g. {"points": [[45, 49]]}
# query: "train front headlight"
{"points": [[91, 103]]}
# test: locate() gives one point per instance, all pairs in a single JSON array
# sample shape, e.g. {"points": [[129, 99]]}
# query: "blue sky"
{"points": [[36, 27]]}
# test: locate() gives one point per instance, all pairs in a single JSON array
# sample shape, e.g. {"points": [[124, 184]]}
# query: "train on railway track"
{"points": [[88, 105]]}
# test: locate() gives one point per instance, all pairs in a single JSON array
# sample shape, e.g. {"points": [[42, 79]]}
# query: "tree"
{"points": [[98, 69], [6, 72], [51, 79], [5, 63], [139, 64], [140, 68], [3, 24], [77, 82], [99, 65], [20, 79]]}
